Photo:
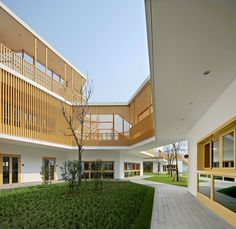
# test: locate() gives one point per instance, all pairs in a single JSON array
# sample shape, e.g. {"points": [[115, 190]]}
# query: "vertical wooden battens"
{"points": [[35, 57]]}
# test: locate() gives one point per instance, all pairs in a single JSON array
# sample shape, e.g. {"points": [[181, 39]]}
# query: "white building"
{"points": [[192, 52]]}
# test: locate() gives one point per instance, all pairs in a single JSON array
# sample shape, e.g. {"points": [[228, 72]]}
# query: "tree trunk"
{"points": [[80, 167], [177, 169]]}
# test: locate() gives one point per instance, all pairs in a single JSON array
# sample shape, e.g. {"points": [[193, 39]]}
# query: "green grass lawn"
{"points": [[118, 205], [164, 178]]}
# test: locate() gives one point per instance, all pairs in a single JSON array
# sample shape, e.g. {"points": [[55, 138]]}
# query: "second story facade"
{"points": [[35, 79]]}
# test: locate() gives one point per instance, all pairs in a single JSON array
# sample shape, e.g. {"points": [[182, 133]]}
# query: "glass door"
{"points": [[6, 169], [10, 169], [50, 168], [15, 171]]}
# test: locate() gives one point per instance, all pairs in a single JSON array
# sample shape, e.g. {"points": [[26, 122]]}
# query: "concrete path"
{"points": [[175, 208]]}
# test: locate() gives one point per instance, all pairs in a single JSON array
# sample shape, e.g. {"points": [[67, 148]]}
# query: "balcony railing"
{"points": [[103, 139], [22, 66], [139, 132], [142, 130]]}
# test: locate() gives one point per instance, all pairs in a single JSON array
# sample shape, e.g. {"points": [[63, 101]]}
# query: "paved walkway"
{"points": [[175, 208]]}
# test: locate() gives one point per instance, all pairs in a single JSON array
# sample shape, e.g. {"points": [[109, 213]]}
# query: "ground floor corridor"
{"points": [[175, 208]]}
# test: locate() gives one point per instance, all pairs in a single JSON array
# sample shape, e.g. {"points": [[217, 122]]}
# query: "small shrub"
{"points": [[70, 173], [44, 174]]}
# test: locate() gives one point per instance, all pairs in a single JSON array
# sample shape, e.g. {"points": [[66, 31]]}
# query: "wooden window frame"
{"points": [[10, 173], [89, 171], [55, 165]]}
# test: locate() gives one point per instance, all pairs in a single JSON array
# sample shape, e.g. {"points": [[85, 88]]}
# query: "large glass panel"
{"points": [[6, 170], [108, 165], [46, 163], [204, 185], [207, 156], [215, 154], [225, 192], [131, 169], [14, 169], [52, 167], [108, 175], [86, 166], [148, 166], [228, 150]]}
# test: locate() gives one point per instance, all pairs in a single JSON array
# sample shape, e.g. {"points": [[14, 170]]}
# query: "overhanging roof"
{"points": [[187, 38]]}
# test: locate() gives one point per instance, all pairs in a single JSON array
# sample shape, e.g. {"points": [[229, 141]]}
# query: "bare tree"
{"points": [[76, 120], [157, 158], [172, 153], [170, 158], [177, 147]]}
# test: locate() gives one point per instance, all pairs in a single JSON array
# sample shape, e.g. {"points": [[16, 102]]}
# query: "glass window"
{"points": [[108, 175], [6, 170], [204, 185], [207, 156], [14, 169], [108, 165], [225, 192], [86, 166], [215, 154], [228, 150]]}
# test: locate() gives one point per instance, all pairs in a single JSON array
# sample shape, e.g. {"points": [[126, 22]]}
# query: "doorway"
{"points": [[10, 169], [50, 167]]}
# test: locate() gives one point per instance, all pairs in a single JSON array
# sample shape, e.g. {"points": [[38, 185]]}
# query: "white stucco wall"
{"points": [[31, 159], [104, 155], [223, 109], [118, 156]]}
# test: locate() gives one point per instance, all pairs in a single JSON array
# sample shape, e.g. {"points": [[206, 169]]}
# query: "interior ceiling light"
{"points": [[207, 72]]}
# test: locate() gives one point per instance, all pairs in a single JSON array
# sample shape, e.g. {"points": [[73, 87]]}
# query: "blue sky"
{"points": [[105, 39]]}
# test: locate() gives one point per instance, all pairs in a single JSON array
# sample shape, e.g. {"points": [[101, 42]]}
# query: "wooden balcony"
{"points": [[139, 132], [142, 130], [106, 139], [25, 68]]}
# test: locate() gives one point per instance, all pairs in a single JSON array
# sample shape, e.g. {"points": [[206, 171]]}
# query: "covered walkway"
{"points": [[175, 208]]}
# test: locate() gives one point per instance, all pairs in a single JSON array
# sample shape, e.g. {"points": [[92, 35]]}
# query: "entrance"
{"points": [[10, 169], [49, 164]]}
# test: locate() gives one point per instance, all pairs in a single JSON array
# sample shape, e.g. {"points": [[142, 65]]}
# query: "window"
{"points": [[228, 150], [215, 154], [10, 169], [225, 192], [207, 156], [107, 169], [204, 185], [131, 169], [50, 166]]}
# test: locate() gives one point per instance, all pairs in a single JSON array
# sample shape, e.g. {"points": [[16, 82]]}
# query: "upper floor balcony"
{"points": [[31, 71], [39, 73], [24, 51], [121, 125]]}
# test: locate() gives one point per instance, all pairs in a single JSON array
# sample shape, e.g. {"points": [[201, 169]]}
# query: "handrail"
{"points": [[140, 131], [22, 66]]}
